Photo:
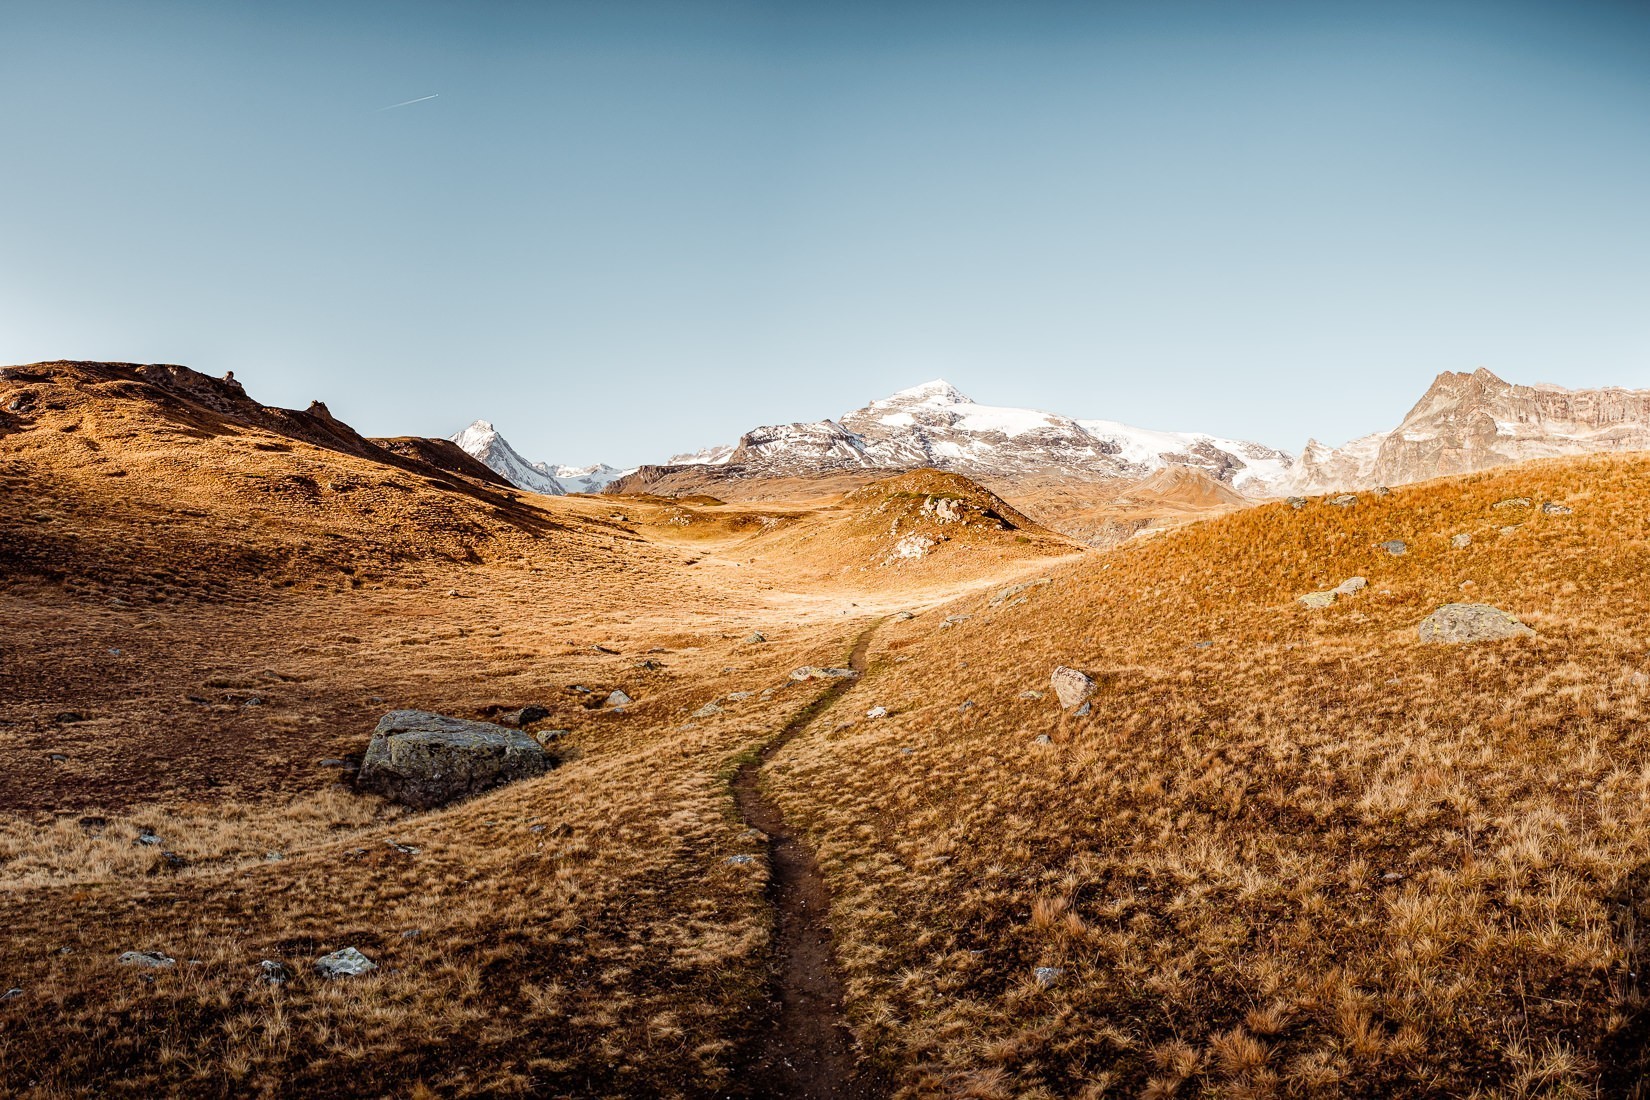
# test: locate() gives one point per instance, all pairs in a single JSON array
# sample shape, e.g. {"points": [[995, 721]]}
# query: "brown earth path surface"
{"points": [[806, 1051]]}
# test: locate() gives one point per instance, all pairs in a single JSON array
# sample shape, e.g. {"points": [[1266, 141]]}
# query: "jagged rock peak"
{"points": [[936, 392]]}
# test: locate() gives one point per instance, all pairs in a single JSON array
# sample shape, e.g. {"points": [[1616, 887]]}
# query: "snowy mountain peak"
{"points": [[482, 442], [937, 392]]}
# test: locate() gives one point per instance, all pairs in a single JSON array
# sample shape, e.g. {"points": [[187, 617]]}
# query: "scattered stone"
{"points": [[275, 973], [903, 616], [1460, 542], [150, 960], [1345, 500], [334, 762], [1396, 547], [618, 698], [649, 665], [740, 859], [738, 696], [273, 857], [346, 962], [1316, 600], [1014, 590], [1509, 530], [404, 849], [1083, 711], [425, 760], [1047, 976], [1071, 686], [966, 706], [452, 594], [578, 689], [526, 716], [1296, 503], [604, 649], [1512, 502], [1028, 694], [756, 638], [1042, 739], [549, 737], [877, 712], [1350, 585], [1382, 491], [57, 757], [953, 620], [1551, 509], [709, 710], [148, 839], [11, 994], [810, 672], [1391, 876], [1470, 622], [1203, 645], [906, 751]]}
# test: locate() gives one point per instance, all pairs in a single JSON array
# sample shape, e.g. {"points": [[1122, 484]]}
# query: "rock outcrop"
{"points": [[425, 760], [1470, 622]]}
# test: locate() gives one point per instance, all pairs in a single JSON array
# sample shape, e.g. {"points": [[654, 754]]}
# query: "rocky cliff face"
{"points": [[1468, 422]]}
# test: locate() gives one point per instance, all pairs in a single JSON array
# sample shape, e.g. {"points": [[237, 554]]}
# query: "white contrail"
{"points": [[409, 102]]}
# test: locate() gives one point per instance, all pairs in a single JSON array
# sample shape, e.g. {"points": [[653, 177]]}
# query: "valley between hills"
{"points": [[875, 783]]}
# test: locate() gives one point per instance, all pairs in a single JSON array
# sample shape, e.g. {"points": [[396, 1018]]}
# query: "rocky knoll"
{"points": [[425, 760]]}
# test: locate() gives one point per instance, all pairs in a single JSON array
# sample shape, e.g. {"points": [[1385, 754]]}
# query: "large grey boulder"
{"points": [[425, 760], [1470, 622], [1071, 686]]}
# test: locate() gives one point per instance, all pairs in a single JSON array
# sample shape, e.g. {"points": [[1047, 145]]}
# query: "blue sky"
{"points": [[625, 230]]}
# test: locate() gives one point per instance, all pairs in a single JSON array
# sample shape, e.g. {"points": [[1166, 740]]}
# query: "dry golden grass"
{"points": [[1312, 858]]}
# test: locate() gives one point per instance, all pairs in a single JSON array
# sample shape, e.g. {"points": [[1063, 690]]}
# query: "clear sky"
{"points": [[624, 230]]}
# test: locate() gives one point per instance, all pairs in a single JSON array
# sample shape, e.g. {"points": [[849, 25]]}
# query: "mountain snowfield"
{"points": [[482, 441], [935, 424]]}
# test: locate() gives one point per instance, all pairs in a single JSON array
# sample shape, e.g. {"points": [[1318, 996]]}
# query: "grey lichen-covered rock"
{"points": [[1470, 622], [346, 962], [1345, 500], [1461, 541], [618, 697], [153, 960], [1296, 503], [1395, 547], [1070, 686], [1551, 509], [1316, 600], [425, 760]]}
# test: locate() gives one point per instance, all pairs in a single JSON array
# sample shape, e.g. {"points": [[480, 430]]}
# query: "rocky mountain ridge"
{"points": [[936, 425], [1467, 422]]}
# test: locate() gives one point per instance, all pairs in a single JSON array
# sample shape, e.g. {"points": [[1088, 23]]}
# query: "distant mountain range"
{"points": [[482, 441], [1464, 422]]}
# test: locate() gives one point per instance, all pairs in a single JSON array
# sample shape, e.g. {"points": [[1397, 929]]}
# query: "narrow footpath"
{"points": [[806, 1051]]}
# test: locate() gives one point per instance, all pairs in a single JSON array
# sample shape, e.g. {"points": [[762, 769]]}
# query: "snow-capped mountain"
{"points": [[1468, 422], [482, 441], [937, 425]]}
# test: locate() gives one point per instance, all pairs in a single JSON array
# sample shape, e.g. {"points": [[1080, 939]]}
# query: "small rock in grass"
{"points": [[1316, 600], [346, 962], [1296, 503], [1083, 711], [740, 859], [1042, 739], [1071, 686], [275, 973], [1551, 509], [1460, 542], [709, 710], [877, 712], [1512, 502], [1345, 500], [149, 839], [618, 698], [966, 706], [1047, 976], [152, 960], [1396, 547], [756, 638], [11, 994], [1031, 695], [1350, 585], [903, 616], [1203, 645]]}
